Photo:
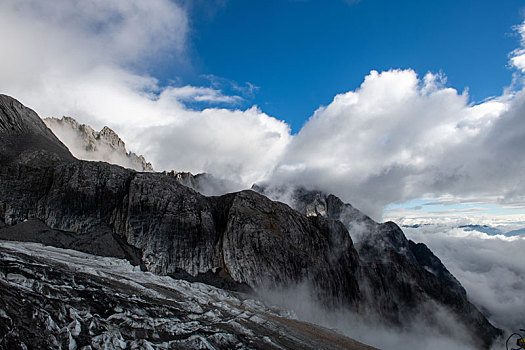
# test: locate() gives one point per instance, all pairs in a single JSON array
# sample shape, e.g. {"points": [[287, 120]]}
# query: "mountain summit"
{"points": [[88, 144]]}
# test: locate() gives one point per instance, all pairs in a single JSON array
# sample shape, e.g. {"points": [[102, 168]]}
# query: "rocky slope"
{"points": [[403, 280], [54, 298], [177, 230], [88, 144], [241, 240]]}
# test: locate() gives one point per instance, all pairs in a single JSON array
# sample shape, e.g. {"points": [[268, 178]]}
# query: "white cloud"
{"points": [[92, 31], [396, 137], [83, 58], [491, 268], [517, 57], [242, 146]]}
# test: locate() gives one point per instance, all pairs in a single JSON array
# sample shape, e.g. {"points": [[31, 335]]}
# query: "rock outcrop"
{"points": [[399, 279], [175, 228], [88, 144], [242, 238]]}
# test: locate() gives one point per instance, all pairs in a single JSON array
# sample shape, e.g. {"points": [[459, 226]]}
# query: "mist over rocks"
{"points": [[402, 279], [242, 238], [88, 144], [105, 145], [490, 267], [205, 183]]}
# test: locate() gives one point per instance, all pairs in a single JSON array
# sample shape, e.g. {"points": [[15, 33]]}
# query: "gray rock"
{"points": [[88, 144], [242, 237], [177, 229], [25, 138], [398, 278]]}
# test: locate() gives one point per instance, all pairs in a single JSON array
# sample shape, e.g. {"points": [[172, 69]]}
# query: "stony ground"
{"points": [[52, 297]]}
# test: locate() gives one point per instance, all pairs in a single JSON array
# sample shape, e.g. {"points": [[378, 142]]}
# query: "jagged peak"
{"points": [[89, 144], [108, 135]]}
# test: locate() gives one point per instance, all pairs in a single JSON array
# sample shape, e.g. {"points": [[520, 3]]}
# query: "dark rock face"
{"points": [[399, 279], [25, 138], [266, 236], [429, 261], [99, 242], [240, 238], [177, 229]]}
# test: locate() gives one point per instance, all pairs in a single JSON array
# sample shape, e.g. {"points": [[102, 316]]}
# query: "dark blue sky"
{"points": [[302, 53]]}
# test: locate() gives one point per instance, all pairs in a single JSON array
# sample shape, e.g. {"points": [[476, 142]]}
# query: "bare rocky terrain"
{"points": [[240, 241]]}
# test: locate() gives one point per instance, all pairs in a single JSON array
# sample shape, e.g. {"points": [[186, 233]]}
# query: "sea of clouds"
{"points": [[490, 267]]}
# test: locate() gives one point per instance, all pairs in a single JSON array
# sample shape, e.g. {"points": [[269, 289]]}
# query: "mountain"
{"points": [[490, 230], [517, 232], [493, 230], [239, 241], [482, 228], [399, 277], [88, 144]]}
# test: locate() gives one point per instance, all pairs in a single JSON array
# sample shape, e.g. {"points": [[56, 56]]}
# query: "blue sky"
{"points": [[302, 53]]}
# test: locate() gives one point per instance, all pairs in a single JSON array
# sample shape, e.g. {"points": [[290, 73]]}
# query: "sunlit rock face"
{"points": [[87, 144], [239, 241]]}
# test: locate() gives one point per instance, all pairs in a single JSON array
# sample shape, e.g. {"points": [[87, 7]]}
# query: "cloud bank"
{"points": [[396, 137], [491, 268]]}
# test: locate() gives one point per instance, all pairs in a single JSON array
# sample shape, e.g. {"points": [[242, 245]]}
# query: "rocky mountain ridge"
{"points": [[104, 145], [241, 238]]}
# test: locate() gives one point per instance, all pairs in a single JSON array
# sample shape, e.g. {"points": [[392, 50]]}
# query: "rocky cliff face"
{"points": [[177, 229], [399, 277], [88, 144], [25, 138], [237, 240]]}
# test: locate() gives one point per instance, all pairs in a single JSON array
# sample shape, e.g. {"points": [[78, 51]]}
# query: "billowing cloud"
{"points": [[397, 137], [84, 59], [83, 33]]}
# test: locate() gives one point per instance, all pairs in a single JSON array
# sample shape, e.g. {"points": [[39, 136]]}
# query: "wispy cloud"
{"points": [[247, 90]]}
